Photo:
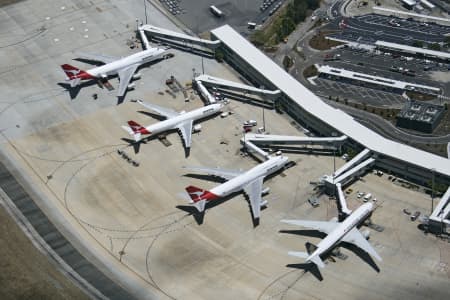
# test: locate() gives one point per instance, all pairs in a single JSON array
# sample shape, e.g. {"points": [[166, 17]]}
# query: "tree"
{"points": [[434, 46], [219, 55], [285, 28], [258, 38], [313, 4], [418, 44], [447, 40]]}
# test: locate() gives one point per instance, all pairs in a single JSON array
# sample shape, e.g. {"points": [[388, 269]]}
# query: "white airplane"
{"points": [[337, 232], [124, 67], [250, 181], [183, 121]]}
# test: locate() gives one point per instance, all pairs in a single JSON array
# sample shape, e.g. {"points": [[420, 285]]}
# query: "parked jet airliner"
{"points": [[250, 181], [183, 121], [346, 231], [124, 67]]}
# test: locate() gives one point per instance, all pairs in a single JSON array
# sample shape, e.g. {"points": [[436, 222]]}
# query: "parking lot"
{"points": [[237, 13], [357, 93], [366, 29], [407, 24], [379, 64]]}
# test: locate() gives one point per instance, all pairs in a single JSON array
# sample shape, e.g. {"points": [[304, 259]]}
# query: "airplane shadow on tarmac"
{"points": [[310, 267], [74, 91]]}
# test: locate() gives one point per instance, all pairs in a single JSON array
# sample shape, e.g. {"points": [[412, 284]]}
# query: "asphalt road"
{"points": [[386, 128]]}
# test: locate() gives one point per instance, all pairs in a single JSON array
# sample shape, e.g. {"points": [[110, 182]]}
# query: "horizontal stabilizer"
{"points": [[128, 129], [75, 82], [298, 254], [313, 258], [136, 134]]}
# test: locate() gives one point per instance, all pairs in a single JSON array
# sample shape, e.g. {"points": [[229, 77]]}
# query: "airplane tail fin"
{"points": [[74, 74], [136, 130], [310, 248], [199, 197], [71, 71]]}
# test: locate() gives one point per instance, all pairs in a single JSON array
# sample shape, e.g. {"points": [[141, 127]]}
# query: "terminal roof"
{"points": [[329, 115], [411, 49]]}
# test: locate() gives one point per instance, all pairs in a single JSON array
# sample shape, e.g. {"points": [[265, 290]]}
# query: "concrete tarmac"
{"points": [[133, 222]]}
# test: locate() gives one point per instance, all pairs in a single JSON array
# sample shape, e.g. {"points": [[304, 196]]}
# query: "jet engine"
{"points": [[263, 203], [136, 76], [366, 234], [131, 86], [266, 190], [197, 128]]}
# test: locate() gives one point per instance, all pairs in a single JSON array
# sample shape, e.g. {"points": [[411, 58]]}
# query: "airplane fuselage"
{"points": [[139, 58], [194, 115], [356, 218], [237, 183]]}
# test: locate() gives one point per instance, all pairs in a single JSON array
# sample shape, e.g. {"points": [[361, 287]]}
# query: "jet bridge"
{"points": [[251, 140], [204, 80], [178, 39], [144, 39], [439, 221], [236, 86], [347, 172], [361, 155], [344, 211], [270, 139]]}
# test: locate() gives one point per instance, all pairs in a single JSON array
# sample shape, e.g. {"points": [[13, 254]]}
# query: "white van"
{"points": [[367, 197]]}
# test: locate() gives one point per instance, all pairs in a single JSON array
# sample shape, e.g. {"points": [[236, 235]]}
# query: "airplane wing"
{"points": [[97, 57], [253, 190], [226, 174], [186, 132], [355, 237], [322, 226], [125, 77], [166, 112]]}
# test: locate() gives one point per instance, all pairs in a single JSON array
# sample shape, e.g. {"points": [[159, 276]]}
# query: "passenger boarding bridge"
{"points": [[224, 85], [251, 141], [439, 220], [180, 40]]}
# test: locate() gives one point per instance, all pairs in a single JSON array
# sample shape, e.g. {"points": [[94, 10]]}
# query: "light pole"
{"points": [[145, 10], [263, 116], [432, 190], [203, 67], [264, 121]]}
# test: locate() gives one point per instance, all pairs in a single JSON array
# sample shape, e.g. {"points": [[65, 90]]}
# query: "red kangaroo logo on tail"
{"points": [[198, 194], [138, 128], [74, 72]]}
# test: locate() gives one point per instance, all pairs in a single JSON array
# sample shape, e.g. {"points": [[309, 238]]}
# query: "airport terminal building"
{"points": [[314, 114]]}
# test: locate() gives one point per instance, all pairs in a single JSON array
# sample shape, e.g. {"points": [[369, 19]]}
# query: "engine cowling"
{"points": [[263, 203], [366, 234], [137, 76], [266, 190], [131, 86], [197, 128]]}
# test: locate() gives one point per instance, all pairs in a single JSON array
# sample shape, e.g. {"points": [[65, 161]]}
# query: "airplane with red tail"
{"points": [[250, 181], [182, 121], [124, 67]]}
